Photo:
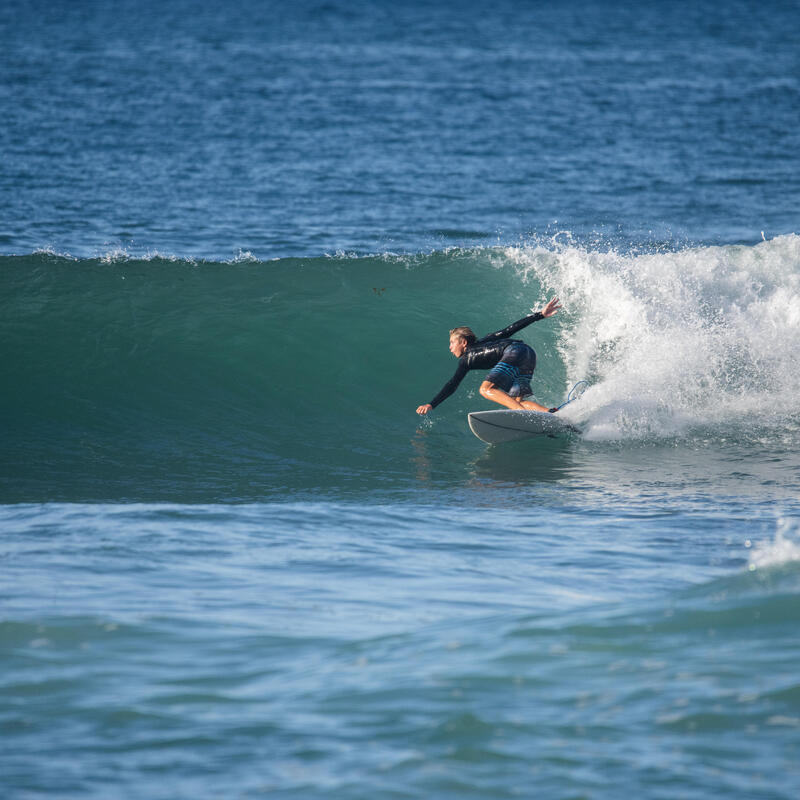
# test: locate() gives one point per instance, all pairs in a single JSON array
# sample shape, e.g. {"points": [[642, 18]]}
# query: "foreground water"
{"points": [[235, 563], [406, 650]]}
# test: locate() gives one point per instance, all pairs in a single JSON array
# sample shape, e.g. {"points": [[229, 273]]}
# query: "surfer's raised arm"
{"points": [[511, 362], [547, 311]]}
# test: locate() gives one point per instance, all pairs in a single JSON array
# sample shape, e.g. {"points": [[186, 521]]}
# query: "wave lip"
{"points": [[676, 342]]}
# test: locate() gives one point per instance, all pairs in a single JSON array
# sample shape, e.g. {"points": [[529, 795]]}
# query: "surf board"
{"points": [[494, 427]]}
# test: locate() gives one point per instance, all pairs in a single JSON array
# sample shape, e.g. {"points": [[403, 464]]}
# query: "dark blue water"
{"points": [[235, 563], [287, 130]]}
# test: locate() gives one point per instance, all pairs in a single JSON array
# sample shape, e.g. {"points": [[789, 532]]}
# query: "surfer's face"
{"points": [[458, 344]]}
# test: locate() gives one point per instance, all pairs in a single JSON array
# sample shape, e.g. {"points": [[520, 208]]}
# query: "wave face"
{"points": [[136, 376]]}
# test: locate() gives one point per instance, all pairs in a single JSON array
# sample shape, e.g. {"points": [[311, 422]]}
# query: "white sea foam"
{"points": [[49, 250], [244, 257], [705, 337], [116, 255], [783, 548]]}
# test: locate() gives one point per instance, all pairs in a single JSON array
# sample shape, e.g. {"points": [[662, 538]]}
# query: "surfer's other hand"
{"points": [[425, 409]]}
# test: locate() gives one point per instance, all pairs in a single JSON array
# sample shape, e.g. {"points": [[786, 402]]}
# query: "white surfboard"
{"points": [[494, 427]]}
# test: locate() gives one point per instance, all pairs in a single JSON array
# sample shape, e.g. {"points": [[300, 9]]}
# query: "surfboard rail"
{"points": [[495, 427]]}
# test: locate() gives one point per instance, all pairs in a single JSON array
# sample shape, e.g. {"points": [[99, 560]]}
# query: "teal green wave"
{"points": [[163, 366]]}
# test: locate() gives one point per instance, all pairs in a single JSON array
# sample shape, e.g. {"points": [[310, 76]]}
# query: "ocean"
{"points": [[235, 563]]}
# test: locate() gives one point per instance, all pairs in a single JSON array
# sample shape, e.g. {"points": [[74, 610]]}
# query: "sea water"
{"points": [[235, 563]]}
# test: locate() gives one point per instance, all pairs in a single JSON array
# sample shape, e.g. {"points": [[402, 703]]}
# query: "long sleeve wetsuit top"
{"points": [[484, 354]]}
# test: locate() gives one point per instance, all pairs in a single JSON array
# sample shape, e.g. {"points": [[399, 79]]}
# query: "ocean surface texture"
{"points": [[234, 563]]}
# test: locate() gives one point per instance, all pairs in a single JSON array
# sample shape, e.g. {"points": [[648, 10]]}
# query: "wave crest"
{"points": [[679, 340]]}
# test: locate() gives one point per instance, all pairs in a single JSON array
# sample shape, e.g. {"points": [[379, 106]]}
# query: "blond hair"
{"points": [[464, 333]]}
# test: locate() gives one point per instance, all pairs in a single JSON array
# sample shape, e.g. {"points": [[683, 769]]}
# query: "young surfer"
{"points": [[510, 362]]}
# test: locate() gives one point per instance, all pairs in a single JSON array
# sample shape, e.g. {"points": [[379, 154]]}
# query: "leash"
{"points": [[570, 398]]}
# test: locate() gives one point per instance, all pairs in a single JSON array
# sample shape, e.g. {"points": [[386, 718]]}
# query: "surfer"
{"points": [[510, 362]]}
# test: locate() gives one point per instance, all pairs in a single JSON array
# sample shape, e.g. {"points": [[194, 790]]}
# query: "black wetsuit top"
{"points": [[484, 354]]}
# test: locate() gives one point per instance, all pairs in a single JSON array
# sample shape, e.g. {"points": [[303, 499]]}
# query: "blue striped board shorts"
{"points": [[514, 371]]}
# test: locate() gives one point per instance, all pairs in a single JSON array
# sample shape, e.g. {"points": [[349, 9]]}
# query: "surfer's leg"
{"points": [[532, 405], [497, 395], [510, 380]]}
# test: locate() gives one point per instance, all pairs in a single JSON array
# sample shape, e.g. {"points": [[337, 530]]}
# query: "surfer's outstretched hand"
{"points": [[425, 409], [551, 308]]}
